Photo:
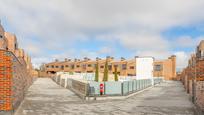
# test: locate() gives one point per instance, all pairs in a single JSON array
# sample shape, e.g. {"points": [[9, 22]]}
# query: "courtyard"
{"points": [[45, 97]]}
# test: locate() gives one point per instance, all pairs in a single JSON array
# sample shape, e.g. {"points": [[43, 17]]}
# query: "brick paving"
{"points": [[47, 98]]}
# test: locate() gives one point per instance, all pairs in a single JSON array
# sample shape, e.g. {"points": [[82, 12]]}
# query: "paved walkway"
{"points": [[46, 98]]}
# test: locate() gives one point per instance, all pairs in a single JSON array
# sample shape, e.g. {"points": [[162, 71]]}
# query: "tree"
{"points": [[105, 75], [71, 73], [116, 74], [96, 73]]}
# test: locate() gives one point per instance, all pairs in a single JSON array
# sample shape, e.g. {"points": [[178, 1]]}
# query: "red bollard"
{"points": [[101, 89]]}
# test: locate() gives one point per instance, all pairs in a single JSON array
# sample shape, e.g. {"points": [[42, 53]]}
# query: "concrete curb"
{"points": [[6, 113], [115, 97]]}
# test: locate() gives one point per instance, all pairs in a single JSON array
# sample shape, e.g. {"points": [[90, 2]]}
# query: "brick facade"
{"points": [[192, 77], [166, 68], [3, 40], [14, 80], [15, 72], [124, 67], [200, 94], [5, 81], [12, 41]]}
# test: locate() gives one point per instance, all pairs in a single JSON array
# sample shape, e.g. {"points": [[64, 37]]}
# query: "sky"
{"points": [[50, 29]]}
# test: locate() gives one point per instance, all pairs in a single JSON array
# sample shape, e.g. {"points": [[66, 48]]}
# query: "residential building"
{"points": [[3, 40], [163, 68], [12, 41], [166, 68], [15, 72]]}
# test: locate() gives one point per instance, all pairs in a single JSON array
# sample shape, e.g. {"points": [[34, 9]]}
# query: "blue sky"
{"points": [[52, 29]]}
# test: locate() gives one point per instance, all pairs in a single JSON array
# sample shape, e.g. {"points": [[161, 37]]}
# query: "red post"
{"points": [[101, 89]]}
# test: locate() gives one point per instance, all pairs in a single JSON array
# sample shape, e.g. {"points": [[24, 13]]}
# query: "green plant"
{"points": [[71, 73], [96, 73], [105, 76], [116, 74]]}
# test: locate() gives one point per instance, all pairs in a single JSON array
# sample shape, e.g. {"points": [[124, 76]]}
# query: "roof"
{"points": [[201, 45]]}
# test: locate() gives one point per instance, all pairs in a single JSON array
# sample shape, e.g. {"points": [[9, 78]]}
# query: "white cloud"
{"points": [[187, 41], [182, 59], [135, 24], [39, 60], [106, 50], [144, 41]]}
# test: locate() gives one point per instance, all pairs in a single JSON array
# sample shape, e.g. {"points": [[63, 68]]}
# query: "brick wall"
{"points": [[190, 87], [200, 94], [187, 77], [5, 81], [14, 80]]}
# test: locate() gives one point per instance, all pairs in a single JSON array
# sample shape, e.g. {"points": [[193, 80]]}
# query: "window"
{"points": [[56, 66], [52, 66], [89, 71], [157, 67], [102, 66], [66, 66], [1, 36], [117, 73], [132, 67], [124, 66], [131, 74], [47, 66], [62, 67], [16, 46], [89, 65], [78, 66]]}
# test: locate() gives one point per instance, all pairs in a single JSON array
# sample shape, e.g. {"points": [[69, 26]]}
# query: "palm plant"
{"points": [[96, 73], [116, 74], [105, 77]]}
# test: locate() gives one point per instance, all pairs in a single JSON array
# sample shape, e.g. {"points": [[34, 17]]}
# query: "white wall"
{"points": [[144, 67]]}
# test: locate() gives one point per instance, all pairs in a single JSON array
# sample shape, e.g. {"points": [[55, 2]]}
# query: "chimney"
{"points": [[86, 59], [173, 56], [107, 57], [122, 58], [56, 60], [97, 58], [66, 59], [75, 60]]}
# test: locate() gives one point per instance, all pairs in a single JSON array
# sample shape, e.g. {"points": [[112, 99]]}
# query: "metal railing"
{"points": [[91, 88]]}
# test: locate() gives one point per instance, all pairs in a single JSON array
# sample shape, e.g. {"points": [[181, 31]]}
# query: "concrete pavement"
{"points": [[47, 98]]}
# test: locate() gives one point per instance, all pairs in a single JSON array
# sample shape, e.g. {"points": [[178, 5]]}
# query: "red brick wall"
{"points": [[5, 81], [21, 81], [191, 87], [200, 94], [14, 80]]}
